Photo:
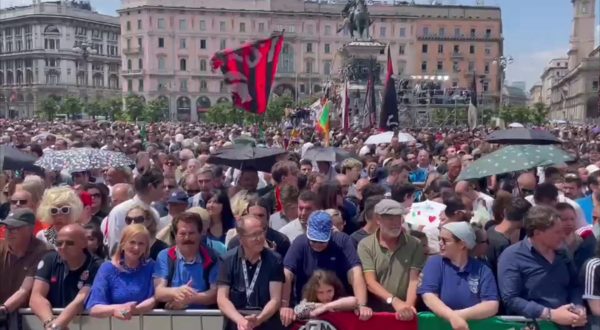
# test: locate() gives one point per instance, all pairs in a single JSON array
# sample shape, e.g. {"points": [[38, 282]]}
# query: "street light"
{"points": [[85, 50], [503, 62]]}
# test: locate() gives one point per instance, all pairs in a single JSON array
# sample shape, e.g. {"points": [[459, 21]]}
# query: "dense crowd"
{"points": [[268, 249]]}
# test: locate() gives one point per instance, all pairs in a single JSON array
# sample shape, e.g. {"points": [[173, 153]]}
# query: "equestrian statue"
{"points": [[356, 19]]}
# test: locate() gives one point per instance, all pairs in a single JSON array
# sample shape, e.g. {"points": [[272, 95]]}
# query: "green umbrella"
{"points": [[515, 158]]}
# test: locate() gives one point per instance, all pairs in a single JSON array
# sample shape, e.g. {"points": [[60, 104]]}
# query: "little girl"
{"points": [[323, 293]]}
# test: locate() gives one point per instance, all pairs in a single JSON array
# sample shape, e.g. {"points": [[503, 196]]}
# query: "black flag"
{"points": [[388, 117]]}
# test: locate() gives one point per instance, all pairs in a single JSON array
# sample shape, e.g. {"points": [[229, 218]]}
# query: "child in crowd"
{"points": [[95, 240], [323, 293]]}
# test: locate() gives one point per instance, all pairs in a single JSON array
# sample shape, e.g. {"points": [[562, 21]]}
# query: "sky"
{"points": [[535, 31]]}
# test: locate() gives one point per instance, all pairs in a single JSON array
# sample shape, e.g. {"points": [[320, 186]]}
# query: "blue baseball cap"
{"points": [[320, 226], [178, 197]]}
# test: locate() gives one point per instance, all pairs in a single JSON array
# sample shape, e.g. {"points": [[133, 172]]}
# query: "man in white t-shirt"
{"points": [[308, 202]]}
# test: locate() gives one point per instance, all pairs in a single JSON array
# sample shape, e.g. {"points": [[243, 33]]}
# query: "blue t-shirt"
{"points": [[186, 271], [339, 257], [459, 289], [114, 286]]}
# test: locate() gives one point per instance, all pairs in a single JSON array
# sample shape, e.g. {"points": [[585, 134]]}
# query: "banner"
{"points": [[349, 321], [430, 321]]}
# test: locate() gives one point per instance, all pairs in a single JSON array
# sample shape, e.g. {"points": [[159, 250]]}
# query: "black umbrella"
{"points": [[247, 156], [522, 136], [326, 154], [14, 159]]}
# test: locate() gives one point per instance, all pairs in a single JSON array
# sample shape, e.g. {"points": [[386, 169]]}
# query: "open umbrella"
{"points": [[514, 158], [405, 137], [385, 137], [83, 159], [326, 154], [14, 159], [515, 125], [522, 136], [246, 156]]}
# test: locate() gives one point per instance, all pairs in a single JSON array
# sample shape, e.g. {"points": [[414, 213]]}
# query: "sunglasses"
{"points": [[64, 243], [60, 210], [130, 220], [18, 201]]}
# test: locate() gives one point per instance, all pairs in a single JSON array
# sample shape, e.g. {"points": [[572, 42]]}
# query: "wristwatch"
{"points": [[390, 300]]}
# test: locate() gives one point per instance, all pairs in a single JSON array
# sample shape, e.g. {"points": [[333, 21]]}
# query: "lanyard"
{"points": [[250, 286]]}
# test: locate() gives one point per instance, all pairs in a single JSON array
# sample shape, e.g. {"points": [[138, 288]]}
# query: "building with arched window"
{"points": [[37, 57]]}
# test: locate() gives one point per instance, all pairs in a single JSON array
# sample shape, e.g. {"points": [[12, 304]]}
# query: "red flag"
{"points": [[349, 321], [250, 71], [388, 118]]}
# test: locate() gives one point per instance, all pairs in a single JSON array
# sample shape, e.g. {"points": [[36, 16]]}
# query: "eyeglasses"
{"points": [[64, 243], [18, 201], [130, 220], [60, 210]]}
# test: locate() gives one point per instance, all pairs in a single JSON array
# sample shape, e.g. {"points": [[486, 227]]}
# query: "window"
{"points": [[472, 49], [182, 64], [128, 43], [202, 43], [310, 29], [286, 62], [327, 30], [382, 31], [309, 47], [471, 66], [327, 48], [441, 49], [139, 24], [140, 85], [203, 86], [309, 66], [486, 86], [424, 66], [183, 87], [182, 24], [129, 66], [402, 32], [202, 65], [48, 44], [488, 33], [456, 49], [161, 42], [441, 32], [261, 27], [327, 67], [182, 43], [161, 23], [486, 68], [129, 85], [488, 50], [140, 63], [401, 49], [140, 42], [202, 25], [222, 44], [424, 48], [594, 85], [473, 33], [161, 62], [425, 31], [455, 66], [440, 65], [222, 26], [457, 32], [128, 26], [242, 27]]}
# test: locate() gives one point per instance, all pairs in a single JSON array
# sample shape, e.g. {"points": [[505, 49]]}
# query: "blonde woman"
{"points": [[124, 287], [59, 207], [142, 215]]}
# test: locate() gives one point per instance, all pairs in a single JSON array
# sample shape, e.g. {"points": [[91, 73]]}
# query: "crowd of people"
{"points": [[268, 250]]}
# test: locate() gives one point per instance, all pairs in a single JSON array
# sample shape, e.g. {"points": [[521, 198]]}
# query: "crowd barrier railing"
{"points": [[213, 320]]}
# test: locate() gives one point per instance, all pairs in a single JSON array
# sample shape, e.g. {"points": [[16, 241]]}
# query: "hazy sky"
{"points": [[535, 31]]}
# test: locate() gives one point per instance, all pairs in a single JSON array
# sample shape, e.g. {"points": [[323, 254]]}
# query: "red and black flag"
{"points": [[388, 117], [250, 71]]}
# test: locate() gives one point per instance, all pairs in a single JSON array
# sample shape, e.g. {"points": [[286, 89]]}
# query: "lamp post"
{"points": [[85, 50], [503, 62]]}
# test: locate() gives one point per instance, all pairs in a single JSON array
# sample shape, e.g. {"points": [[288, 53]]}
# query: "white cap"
{"points": [[592, 168]]}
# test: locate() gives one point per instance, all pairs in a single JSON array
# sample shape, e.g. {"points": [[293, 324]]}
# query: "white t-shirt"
{"points": [[292, 230]]}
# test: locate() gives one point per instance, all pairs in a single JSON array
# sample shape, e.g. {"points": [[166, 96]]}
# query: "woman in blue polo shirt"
{"points": [[455, 286]]}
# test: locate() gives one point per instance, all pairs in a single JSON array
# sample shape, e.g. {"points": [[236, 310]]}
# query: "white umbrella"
{"points": [[515, 125], [405, 138], [385, 137]]}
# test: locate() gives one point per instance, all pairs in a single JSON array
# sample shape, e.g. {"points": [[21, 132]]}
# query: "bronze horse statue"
{"points": [[357, 19]]}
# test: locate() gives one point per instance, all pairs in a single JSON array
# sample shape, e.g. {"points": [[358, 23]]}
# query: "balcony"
{"points": [[462, 37], [129, 73], [133, 50], [457, 55]]}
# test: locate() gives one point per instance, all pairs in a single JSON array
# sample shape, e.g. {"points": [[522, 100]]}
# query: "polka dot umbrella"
{"points": [[82, 159], [515, 158]]}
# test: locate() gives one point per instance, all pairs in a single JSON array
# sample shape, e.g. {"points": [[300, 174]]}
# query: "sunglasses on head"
{"points": [[60, 210], [64, 243], [18, 201], [130, 220]]}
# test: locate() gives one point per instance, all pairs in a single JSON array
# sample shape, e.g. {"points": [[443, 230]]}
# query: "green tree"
{"points": [[96, 108], [114, 108], [134, 107], [155, 111], [539, 113], [221, 113], [71, 106], [48, 108], [276, 108]]}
